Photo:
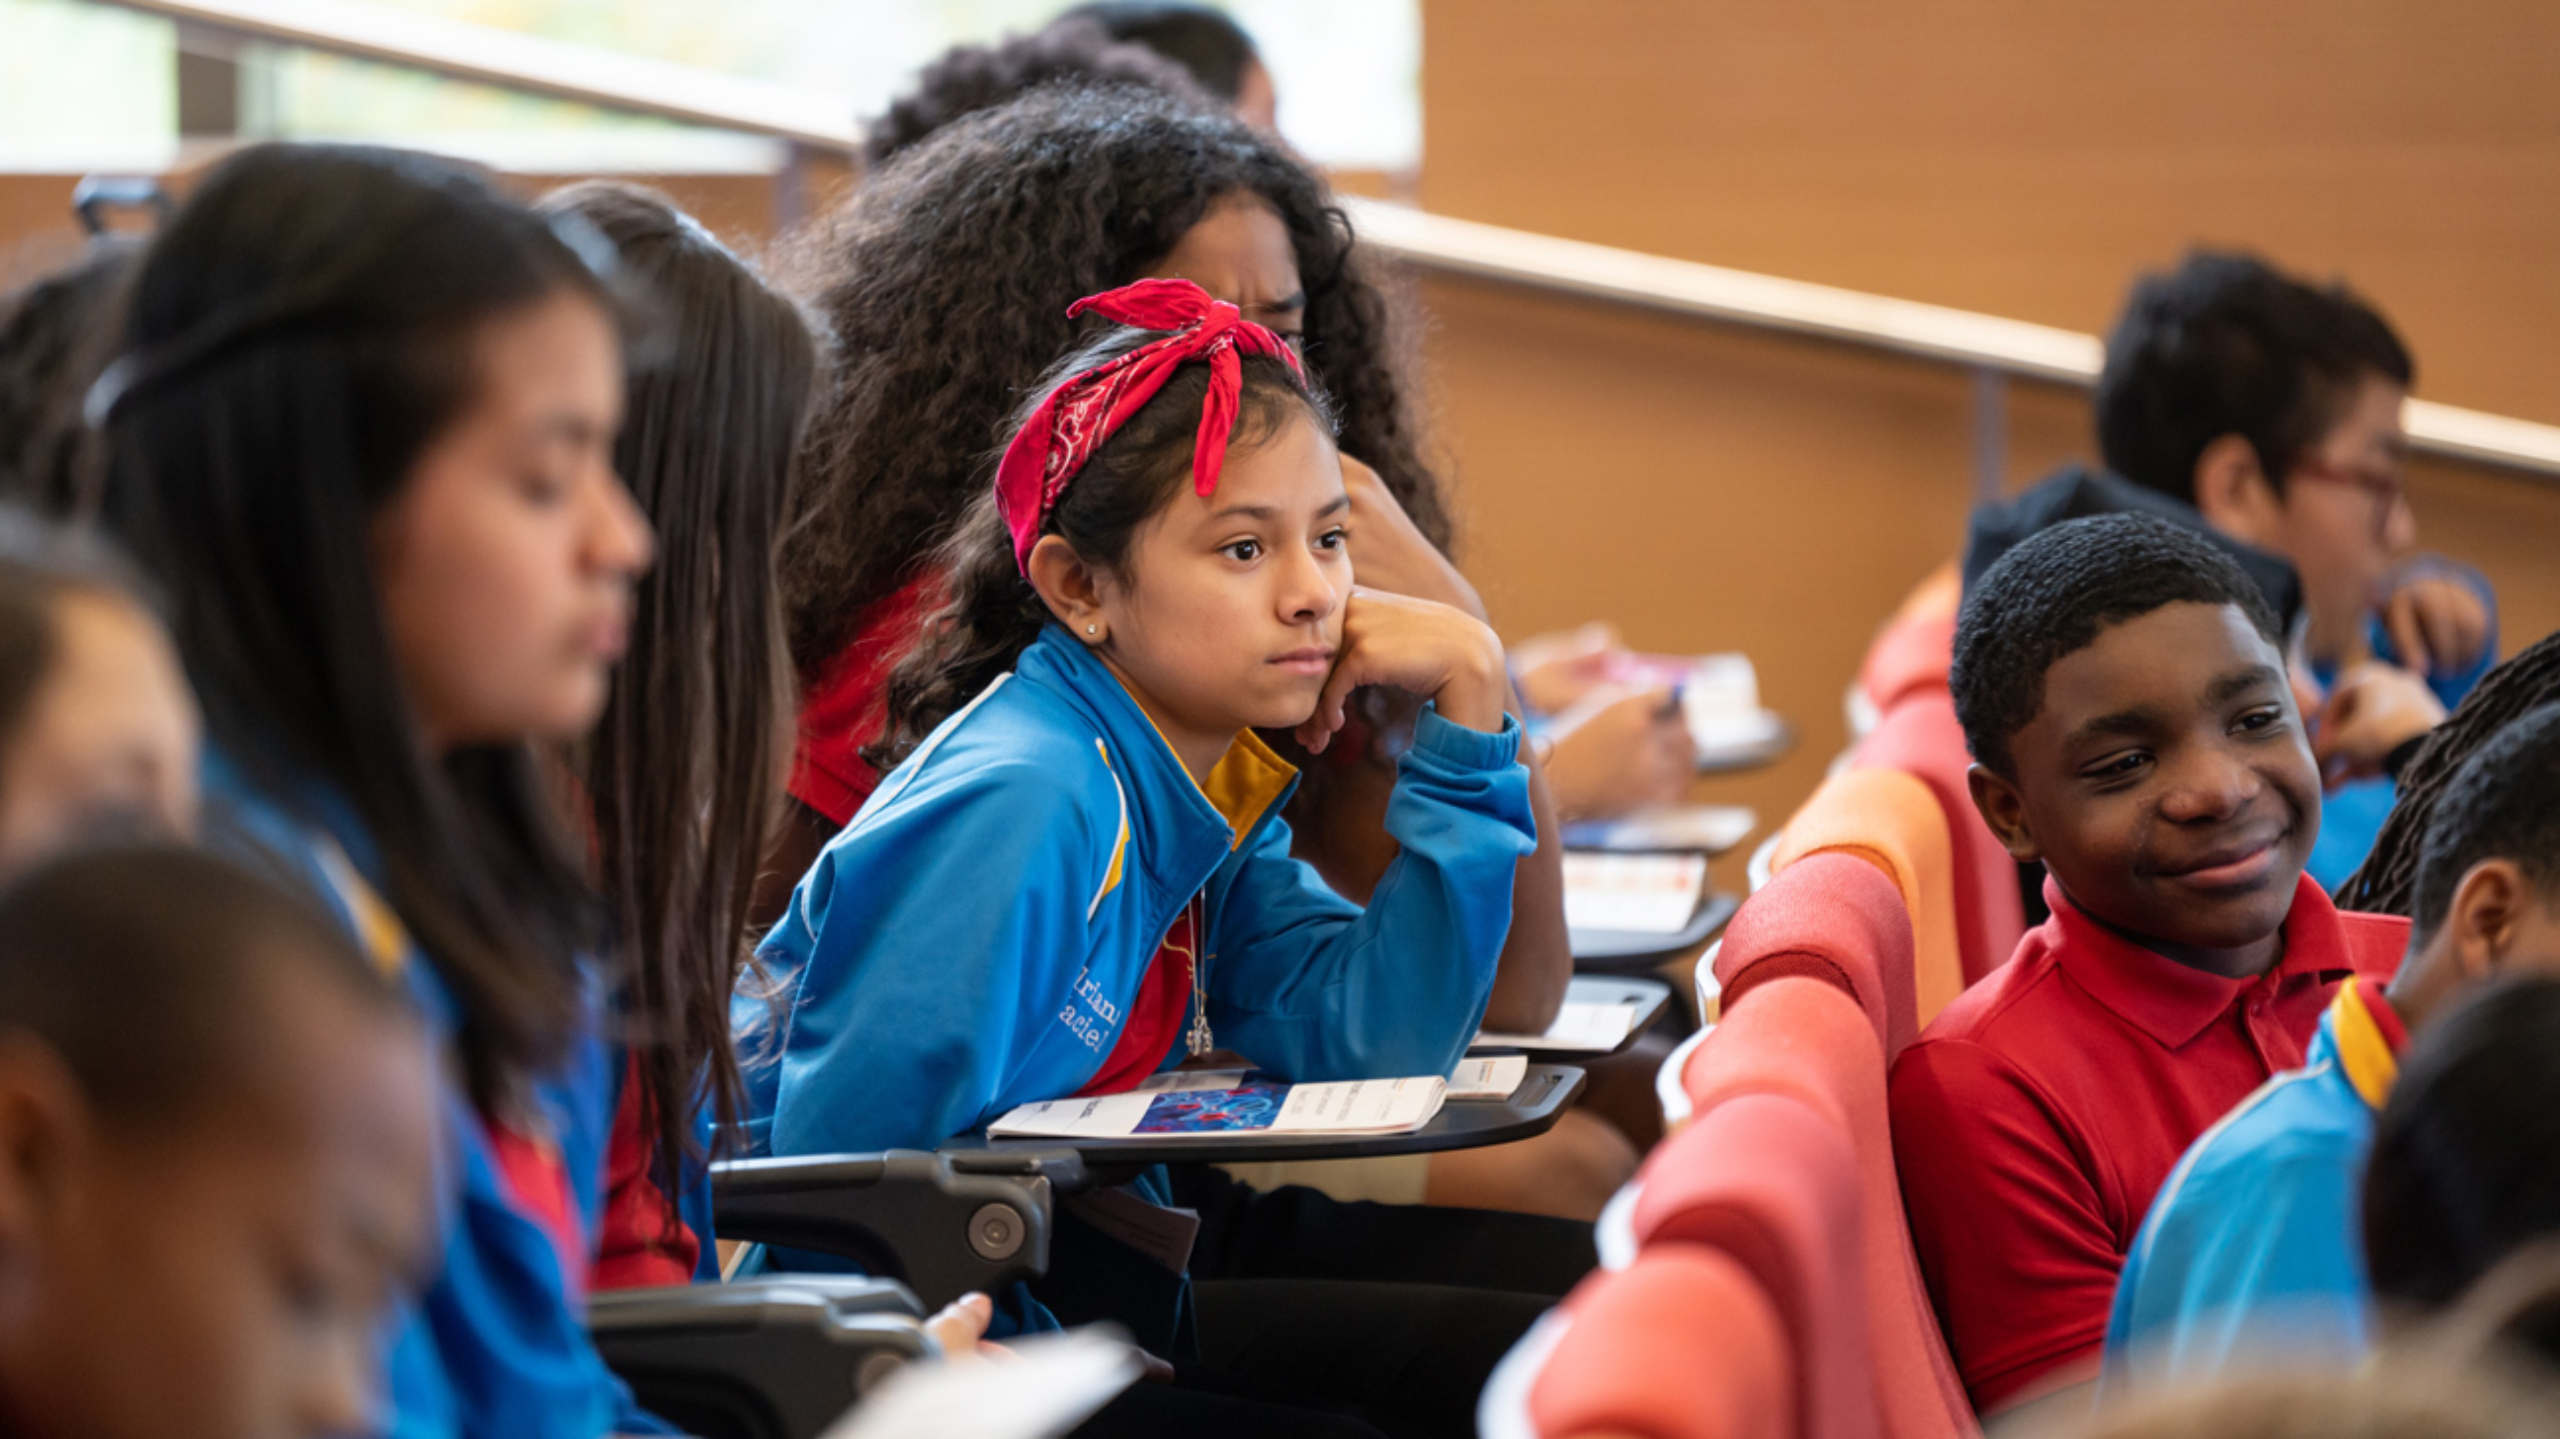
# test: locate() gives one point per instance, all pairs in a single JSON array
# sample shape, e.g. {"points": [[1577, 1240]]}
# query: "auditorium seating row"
{"points": [[1758, 1278]]}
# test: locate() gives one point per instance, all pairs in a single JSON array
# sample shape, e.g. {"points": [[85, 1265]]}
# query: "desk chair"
{"points": [[1920, 737], [1804, 1038], [1681, 1344], [1772, 1182], [782, 1358], [1836, 917], [1891, 821], [764, 1359], [1910, 651], [945, 1224]]}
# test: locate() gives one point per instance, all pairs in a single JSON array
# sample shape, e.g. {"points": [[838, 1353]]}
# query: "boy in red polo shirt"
{"points": [[2122, 687]]}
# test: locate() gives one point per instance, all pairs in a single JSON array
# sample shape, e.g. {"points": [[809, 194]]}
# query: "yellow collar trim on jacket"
{"points": [[1246, 782], [2364, 1052], [1243, 785], [378, 927]]}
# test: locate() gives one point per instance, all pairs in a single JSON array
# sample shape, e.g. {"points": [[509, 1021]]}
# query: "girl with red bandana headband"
{"points": [[1076, 874]]}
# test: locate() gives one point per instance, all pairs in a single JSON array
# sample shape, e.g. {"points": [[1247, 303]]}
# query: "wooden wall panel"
{"points": [[2026, 158], [37, 230], [1713, 489]]}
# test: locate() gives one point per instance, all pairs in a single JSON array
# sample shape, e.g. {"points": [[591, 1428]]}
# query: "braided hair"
{"points": [[2386, 883]]}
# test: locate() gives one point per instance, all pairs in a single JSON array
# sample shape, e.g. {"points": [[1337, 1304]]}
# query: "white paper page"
{"points": [[1488, 1076], [1643, 893], [1099, 1116], [1054, 1383], [1580, 1027], [1381, 1106], [1719, 734]]}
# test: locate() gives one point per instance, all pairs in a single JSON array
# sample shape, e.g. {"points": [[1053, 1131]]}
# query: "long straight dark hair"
{"points": [[681, 771], [298, 334]]}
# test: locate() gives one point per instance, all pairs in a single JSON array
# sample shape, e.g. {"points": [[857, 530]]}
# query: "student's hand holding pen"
{"points": [[1434, 650]]}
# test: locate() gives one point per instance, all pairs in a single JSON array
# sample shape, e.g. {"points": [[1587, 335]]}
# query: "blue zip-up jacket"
{"points": [[496, 1347], [974, 939]]}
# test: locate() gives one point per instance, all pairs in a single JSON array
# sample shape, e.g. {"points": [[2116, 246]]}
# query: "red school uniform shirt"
{"points": [[844, 708], [2035, 1119]]}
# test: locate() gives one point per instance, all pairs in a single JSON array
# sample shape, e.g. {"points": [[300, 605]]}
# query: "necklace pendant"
{"points": [[1201, 1042]]}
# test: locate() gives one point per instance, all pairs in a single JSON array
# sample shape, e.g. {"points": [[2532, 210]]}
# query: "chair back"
{"points": [[1681, 1344], [1920, 737], [1838, 918], [1891, 821], [1772, 1181]]}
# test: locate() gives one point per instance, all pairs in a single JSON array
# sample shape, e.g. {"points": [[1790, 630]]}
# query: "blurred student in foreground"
{"points": [[217, 1138], [2465, 1175], [96, 722]]}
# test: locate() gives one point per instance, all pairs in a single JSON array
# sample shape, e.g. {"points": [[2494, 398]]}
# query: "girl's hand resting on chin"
{"points": [[1432, 650]]}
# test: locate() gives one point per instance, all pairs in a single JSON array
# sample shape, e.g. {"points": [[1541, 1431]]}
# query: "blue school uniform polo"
{"points": [[2253, 1250]]}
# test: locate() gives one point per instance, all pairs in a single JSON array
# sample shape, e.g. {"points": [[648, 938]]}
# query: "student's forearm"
{"points": [[1537, 957]]}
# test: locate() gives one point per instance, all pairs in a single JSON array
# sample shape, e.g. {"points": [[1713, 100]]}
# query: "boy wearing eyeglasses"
{"points": [[2266, 410]]}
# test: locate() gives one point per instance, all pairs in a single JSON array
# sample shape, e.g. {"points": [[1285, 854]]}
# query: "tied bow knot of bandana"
{"points": [[1087, 409]]}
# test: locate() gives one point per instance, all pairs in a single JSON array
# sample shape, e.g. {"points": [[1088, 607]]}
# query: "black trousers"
{"points": [[1312, 1315]]}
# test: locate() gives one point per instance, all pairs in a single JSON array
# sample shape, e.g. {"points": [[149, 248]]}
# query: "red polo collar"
{"points": [[2172, 1002]]}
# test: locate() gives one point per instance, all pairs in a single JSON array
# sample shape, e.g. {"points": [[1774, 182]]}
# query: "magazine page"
{"points": [[1256, 1104]]}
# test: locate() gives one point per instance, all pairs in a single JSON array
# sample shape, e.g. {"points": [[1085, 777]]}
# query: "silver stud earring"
{"points": [[1088, 629]]}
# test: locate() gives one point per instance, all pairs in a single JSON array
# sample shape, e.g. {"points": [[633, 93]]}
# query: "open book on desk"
{"points": [[1226, 1104]]}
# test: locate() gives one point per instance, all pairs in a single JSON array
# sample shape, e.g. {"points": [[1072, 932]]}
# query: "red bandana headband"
{"points": [[1087, 409]]}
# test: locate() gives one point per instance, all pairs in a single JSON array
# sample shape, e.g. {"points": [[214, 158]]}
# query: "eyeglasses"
{"points": [[2385, 487]]}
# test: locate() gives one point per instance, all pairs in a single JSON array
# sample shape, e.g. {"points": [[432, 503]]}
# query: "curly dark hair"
{"points": [[2388, 881], [2227, 344], [993, 613], [2049, 598], [970, 78], [946, 280]]}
